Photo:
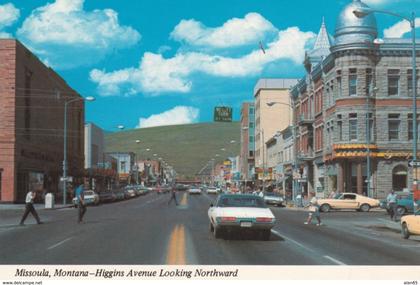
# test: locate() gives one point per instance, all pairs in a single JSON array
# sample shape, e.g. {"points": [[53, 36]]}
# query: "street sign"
{"points": [[414, 163], [223, 114]]}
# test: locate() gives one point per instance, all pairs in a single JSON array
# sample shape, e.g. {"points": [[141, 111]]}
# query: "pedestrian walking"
{"points": [[313, 208], [81, 205], [391, 201], [173, 196], [29, 208]]}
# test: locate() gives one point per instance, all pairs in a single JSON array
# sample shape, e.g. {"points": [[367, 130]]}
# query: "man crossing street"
{"points": [[29, 208]]}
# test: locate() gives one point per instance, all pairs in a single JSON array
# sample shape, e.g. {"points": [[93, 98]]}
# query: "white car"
{"points": [[194, 191], [90, 198], [271, 198], [211, 190], [240, 212]]}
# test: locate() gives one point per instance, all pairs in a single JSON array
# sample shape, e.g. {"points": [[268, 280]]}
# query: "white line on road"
{"points": [[292, 240], [60, 243], [334, 260]]}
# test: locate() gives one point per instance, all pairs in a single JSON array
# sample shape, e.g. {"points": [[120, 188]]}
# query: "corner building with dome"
{"points": [[355, 102]]}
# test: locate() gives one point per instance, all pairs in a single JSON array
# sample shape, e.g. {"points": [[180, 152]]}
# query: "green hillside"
{"points": [[187, 148]]}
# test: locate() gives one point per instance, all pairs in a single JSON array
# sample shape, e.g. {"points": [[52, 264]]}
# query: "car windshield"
{"points": [[238, 201], [89, 192]]}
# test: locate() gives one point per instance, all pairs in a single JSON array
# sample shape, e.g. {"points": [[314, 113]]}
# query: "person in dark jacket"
{"points": [[173, 195]]}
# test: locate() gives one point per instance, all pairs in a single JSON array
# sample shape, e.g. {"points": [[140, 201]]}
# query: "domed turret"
{"points": [[351, 30]]}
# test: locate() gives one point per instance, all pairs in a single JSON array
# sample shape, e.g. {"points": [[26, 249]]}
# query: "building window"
{"points": [[251, 139], [251, 111], [339, 84], [339, 127], [251, 125], [369, 82], [410, 127], [251, 153], [353, 82], [123, 167], [371, 128], [393, 127], [353, 127], [393, 82]]}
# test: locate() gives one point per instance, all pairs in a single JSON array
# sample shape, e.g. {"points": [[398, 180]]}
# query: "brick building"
{"points": [[32, 98], [247, 164], [355, 101]]}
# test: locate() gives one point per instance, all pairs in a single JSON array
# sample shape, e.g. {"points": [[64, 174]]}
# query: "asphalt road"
{"points": [[145, 230]]}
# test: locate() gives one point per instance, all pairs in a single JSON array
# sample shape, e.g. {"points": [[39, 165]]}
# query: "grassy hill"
{"points": [[187, 148]]}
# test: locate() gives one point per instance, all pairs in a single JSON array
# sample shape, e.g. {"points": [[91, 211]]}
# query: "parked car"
{"points": [[129, 192], [107, 196], [241, 212], [272, 198], [119, 195], [405, 203], [211, 190], [194, 190], [410, 225], [90, 198], [348, 201]]}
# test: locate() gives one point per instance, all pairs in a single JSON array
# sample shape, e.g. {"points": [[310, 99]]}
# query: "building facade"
{"points": [[270, 118], [32, 100], [353, 109], [247, 164], [125, 166], [94, 146]]}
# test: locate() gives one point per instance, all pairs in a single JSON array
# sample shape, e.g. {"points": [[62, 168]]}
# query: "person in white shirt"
{"points": [[391, 200], [29, 208], [313, 211]]}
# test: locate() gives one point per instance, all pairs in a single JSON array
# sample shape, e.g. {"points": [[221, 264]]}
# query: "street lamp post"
{"points": [[89, 98], [294, 166], [362, 12]]}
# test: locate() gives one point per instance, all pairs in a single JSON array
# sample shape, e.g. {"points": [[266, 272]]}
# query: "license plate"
{"points": [[246, 224]]}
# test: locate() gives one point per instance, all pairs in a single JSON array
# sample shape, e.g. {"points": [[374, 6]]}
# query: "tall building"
{"points": [[94, 146], [32, 99], [270, 119], [247, 141], [354, 106]]}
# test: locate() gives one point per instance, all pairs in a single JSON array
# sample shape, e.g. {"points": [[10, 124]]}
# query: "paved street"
{"points": [[145, 230]]}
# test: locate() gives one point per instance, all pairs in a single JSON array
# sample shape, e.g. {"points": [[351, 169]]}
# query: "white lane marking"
{"points": [[334, 260], [60, 243], [292, 240]]}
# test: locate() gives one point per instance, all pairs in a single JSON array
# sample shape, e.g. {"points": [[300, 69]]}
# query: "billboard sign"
{"points": [[223, 114]]}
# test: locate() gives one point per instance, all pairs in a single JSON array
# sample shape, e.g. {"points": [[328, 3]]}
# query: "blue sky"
{"points": [[165, 62]]}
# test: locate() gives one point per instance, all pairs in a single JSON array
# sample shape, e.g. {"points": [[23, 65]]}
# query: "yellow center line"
{"points": [[176, 248], [184, 200]]}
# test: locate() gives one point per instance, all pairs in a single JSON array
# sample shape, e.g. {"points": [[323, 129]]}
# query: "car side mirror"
{"points": [[211, 205]]}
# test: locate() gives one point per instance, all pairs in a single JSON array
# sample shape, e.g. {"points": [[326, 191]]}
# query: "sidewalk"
{"points": [[6, 207]]}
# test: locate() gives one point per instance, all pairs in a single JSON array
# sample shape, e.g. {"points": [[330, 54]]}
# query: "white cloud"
{"points": [[8, 15], [399, 29], [157, 74], [176, 116], [235, 32], [58, 31]]}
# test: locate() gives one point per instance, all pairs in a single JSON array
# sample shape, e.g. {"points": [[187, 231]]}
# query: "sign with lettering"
{"points": [[223, 114]]}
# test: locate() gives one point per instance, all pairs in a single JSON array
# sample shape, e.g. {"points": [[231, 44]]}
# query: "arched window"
{"points": [[399, 178]]}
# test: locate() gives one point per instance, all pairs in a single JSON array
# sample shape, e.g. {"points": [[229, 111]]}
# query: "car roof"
{"points": [[238, 195]]}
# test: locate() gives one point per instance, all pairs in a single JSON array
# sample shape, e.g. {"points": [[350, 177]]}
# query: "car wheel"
{"points": [[365, 208], [401, 210], [218, 232], [325, 208], [404, 231], [265, 234]]}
